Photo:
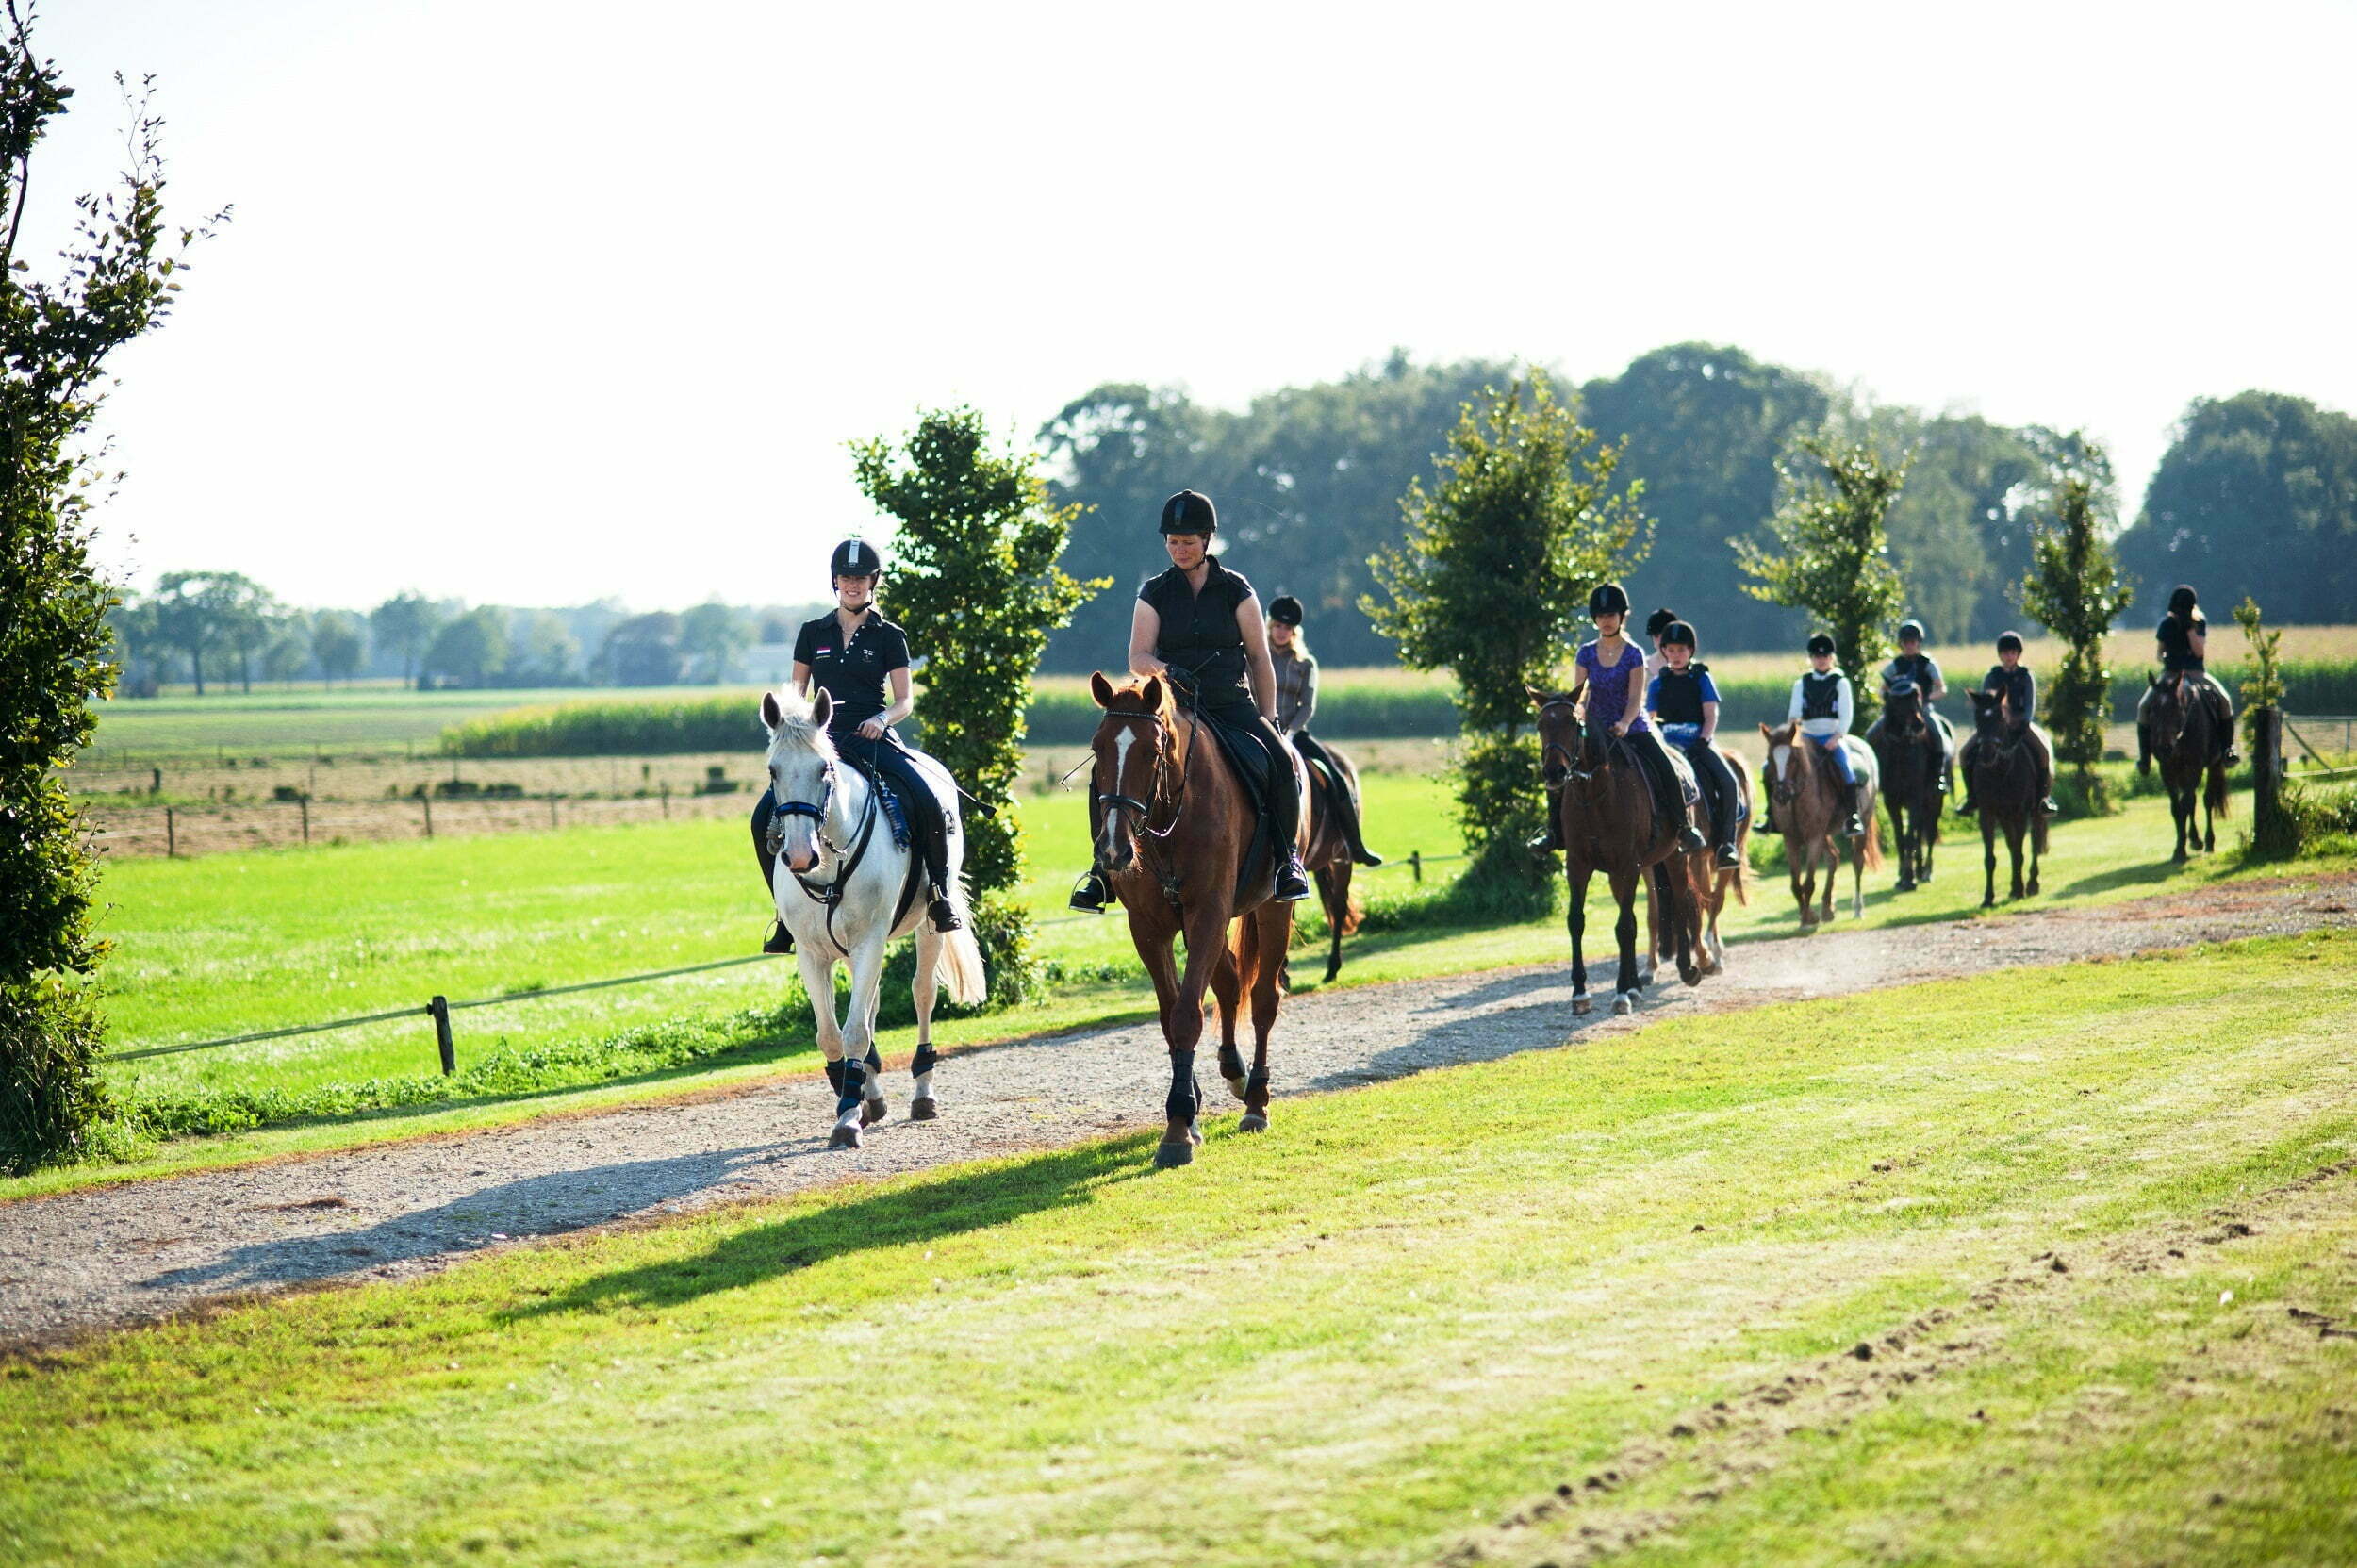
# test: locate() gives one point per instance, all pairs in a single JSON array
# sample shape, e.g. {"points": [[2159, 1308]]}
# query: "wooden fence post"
{"points": [[306, 803], [2267, 775], [1416, 865], [666, 800], [426, 800], [172, 842], [439, 1007]]}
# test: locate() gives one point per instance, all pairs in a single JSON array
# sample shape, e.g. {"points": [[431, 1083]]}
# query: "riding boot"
{"points": [[2144, 747], [780, 941], [939, 910], [1551, 836], [1292, 882], [1653, 754], [1347, 817], [1767, 798], [1966, 807], [1722, 805], [1855, 826], [1090, 894]]}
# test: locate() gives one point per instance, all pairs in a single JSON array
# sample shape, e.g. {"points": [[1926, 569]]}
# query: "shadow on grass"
{"points": [[924, 1211]]}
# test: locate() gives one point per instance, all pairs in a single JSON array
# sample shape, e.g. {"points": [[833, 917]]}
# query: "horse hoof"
{"points": [[1904, 888], [873, 1111], [844, 1137], [1252, 1121], [1580, 1005], [1235, 1087], [924, 1110], [1621, 1006], [1691, 975], [1170, 1156], [1331, 971]]}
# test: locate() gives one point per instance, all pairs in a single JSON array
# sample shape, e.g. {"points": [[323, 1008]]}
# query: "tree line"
{"points": [[2257, 494], [214, 628]]}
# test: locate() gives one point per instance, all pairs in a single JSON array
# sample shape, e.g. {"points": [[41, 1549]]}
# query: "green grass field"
{"points": [[1630, 1271]]}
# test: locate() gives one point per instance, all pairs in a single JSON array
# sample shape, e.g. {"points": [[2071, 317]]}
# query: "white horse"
{"points": [[845, 890]]}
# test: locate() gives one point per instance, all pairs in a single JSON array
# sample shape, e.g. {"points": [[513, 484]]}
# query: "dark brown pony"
{"points": [[2183, 729], [1173, 824], [1907, 751], [1606, 811], [1809, 801], [1327, 858], [2005, 788]]}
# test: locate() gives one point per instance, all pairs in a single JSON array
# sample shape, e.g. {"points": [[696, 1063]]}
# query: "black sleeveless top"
{"points": [[1821, 695], [1200, 634], [2017, 686], [2176, 639], [851, 673], [1677, 698]]}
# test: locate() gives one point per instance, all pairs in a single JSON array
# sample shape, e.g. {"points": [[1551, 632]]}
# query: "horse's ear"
{"points": [[1538, 698], [822, 708], [1101, 689], [1152, 691], [2152, 681], [771, 715], [1767, 733]]}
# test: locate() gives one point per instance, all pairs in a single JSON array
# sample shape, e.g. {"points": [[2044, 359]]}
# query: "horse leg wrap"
{"points": [[1184, 1098], [875, 1060], [922, 1063], [834, 1076], [854, 1087], [1256, 1089], [1230, 1062]]}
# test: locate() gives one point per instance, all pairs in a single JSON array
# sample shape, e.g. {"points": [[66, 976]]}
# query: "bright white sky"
{"points": [[534, 303]]}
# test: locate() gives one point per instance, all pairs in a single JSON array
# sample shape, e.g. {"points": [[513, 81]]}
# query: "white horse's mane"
{"points": [[795, 727]]}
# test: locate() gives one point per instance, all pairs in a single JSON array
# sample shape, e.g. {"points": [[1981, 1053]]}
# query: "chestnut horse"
{"points": [[2183, 732], [2005, 787], [1173, 824], [1809, 801], [1327, 858], [1908, 754], [1605, 810], [1708, 886]]}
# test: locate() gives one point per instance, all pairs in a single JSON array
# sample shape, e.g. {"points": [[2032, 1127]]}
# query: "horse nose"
{"points": [[799, 860]]}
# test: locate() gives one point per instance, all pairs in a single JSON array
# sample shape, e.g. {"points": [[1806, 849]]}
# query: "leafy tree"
{"points": [[285, 646], [2255, 497], [404, 624], [976, 582], [1827, 552], [643, 650], [471, 649], [55, 659], [1525, 520], [2074, 589], [339, 644], [545, 653], [716, 634], [139, 653], [200, 613]]}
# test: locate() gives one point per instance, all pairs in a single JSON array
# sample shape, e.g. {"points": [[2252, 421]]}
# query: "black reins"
{"points": [[829, 894]]}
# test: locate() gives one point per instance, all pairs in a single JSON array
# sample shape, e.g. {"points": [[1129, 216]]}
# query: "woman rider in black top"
{"points": [[1199, 625], [2184, 645], [851, 654]]}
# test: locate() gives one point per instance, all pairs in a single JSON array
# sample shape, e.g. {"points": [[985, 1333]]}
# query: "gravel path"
{"points": [[120, 1254]]}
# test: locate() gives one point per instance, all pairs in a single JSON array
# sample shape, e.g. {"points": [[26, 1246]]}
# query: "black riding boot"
{"points": [[1347, 817], [1550, 836], [1090, 894], [1966, 807], [1855, 826], [942, 914], [780, 940], [1668, 799]]}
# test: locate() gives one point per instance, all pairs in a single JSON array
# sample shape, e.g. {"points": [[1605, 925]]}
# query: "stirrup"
{"points": [[1089, 894], [1292, 883], [1855, 827], [780, 940], [1729, 858], [944, 915], [1691, 839]]}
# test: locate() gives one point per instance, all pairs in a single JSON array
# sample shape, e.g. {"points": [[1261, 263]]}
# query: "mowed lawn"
{"points": [[1603, 1294]]}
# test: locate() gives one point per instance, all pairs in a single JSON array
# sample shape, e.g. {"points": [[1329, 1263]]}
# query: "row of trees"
{"points": [[2257, 494], [221, 626]]}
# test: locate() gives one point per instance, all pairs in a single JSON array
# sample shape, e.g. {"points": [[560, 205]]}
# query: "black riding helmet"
{"points": [[1910, 628], [856, 559], [1285, 610], [1660, 621], [1820, 644], [1609, 599], [1189, 512], [2009, 642], [2182, 599], [1677, 635]]}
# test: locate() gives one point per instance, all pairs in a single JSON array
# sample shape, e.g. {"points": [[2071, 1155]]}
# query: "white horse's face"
{"points": [[799, 772]]}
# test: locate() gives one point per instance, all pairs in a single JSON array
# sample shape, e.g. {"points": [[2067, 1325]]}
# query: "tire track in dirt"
{"points": [[134, 1251]]}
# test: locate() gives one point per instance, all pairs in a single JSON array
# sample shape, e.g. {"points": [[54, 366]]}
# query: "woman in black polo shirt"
{"points": [[2182, 641], [1199, 625], [852, 653]]}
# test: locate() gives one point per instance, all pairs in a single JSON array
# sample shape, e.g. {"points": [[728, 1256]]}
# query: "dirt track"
{"points": [[119, 1254]]}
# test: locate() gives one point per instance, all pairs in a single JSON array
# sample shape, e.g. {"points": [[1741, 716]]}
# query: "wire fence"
{"points": [[2322, 726], [439, 1008], [182, 832]]}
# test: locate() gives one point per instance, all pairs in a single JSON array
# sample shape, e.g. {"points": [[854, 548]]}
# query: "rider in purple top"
{"points": [[1615, 685], [1607, 689]]}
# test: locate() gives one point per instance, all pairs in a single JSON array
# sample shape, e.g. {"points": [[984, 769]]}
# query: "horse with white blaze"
{"points": [[845, 889]]}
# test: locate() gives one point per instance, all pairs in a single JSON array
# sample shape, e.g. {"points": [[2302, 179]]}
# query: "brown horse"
{"points": [[1606, 811], [1327, 858], [1810, 800], [2183, 732], [1907, 751], [2005, 787], [1707, 884], [1172, 824]]}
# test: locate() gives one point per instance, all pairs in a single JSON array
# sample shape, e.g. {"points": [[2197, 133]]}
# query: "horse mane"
{"points": [[796, 727]]}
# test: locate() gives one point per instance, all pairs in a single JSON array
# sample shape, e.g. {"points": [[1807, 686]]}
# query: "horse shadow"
{"points": [[1540, 1022], [537, 1205], [929, 1208]]}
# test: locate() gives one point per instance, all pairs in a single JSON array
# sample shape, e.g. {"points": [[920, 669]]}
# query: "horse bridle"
{"points": [[827, 895], [1555, 749], [1145, 808]]}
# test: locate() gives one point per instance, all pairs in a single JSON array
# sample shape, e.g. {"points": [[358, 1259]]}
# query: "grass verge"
{"points": [[1399, 1318]]}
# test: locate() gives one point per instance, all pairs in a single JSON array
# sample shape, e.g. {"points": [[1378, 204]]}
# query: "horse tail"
{"points": [[2037, 831], [1354, 911], [2213, 790], [1871, 852], [962, 967]]}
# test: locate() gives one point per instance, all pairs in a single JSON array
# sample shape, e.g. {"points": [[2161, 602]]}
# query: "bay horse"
{"points": [[1328, 858], [1604, 808], [1708, 883], [2184, 731], [2005, 787], [846, 890], [1907, 751], [1810, 800], [1173, 824]]}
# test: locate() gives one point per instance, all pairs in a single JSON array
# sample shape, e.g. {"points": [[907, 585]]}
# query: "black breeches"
{"points": [[1278, 796], [1718, 789], [1669, 798], [1339, 794], [928, 827]]}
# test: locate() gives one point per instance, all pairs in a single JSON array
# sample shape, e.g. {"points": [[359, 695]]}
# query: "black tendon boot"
{"points": [[1090, 894]]}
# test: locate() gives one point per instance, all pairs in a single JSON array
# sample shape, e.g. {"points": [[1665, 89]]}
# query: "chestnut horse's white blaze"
{"points": [[840, 880]]}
